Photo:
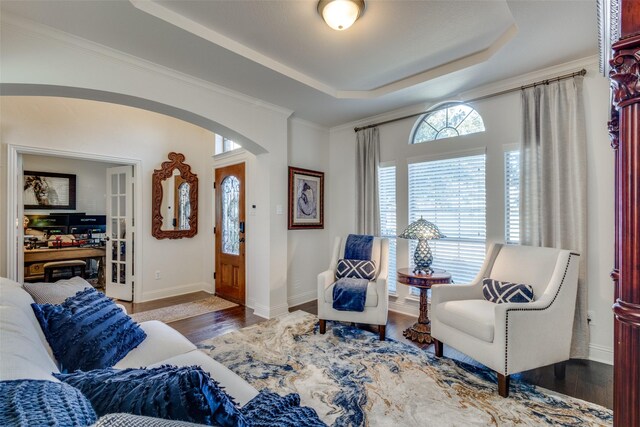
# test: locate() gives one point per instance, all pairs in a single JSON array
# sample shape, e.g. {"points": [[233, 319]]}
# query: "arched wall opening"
{"points": [[186, 265], [23, 89]]}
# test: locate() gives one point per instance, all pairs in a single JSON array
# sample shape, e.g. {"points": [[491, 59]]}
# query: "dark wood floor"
{"points": [[585, 379]]}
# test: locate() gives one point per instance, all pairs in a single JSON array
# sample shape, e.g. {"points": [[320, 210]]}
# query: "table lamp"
{"points": [[422, 231]]}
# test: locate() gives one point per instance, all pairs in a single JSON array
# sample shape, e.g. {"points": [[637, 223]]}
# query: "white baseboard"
{"points": [[261, 310], [279, 310], [600, 353], [176, 290], [270, 312], [302, 298]]}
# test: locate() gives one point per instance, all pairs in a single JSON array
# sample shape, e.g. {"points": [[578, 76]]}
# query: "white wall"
{"points": [[308, 250], [91, 181], [503, 123], [36, 55]]}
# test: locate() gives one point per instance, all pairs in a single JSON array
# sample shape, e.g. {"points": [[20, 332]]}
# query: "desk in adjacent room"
{"points": [[34, 259]]}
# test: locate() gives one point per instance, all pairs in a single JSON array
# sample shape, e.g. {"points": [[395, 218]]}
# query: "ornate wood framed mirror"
{"points": [[174, 200]]}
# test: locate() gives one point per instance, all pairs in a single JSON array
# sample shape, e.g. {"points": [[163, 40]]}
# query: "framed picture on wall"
{"points": [[49, 190], [306, 199]]}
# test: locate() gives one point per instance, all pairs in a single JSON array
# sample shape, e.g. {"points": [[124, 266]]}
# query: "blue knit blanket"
{"points": [[269, 409], [349, 294], [358, 246]]}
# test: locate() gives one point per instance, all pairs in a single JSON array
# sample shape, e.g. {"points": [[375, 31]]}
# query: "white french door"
{"points": [[119, 275]]}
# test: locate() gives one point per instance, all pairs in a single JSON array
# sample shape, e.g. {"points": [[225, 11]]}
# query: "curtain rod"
{"points": [[480, 98]]}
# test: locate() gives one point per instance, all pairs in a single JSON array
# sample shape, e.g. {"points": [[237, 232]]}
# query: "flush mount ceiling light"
{"points": [[340, 14]]}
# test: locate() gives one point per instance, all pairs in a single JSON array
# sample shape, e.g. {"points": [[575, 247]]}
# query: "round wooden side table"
{"points": [[421, 331]]}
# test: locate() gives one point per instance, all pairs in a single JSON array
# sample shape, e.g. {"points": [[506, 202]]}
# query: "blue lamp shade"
{"points": [[422, 231]]}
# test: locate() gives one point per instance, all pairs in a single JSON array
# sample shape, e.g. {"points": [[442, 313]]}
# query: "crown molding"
{"points": [[528, 78], [35, 29], [545, 73], [176, 19]]}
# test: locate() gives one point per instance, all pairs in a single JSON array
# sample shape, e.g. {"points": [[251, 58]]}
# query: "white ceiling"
{"points": [[398, 53]]}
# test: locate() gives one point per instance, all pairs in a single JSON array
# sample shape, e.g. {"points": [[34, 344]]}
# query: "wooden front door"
{"points": [[230, 233]]}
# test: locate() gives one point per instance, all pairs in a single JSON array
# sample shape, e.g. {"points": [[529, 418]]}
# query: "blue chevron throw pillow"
{"points": [[356, 269], [500, 292]]}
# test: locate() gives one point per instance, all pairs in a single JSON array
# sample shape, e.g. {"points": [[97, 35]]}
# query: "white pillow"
{"points": [[56, 292]]}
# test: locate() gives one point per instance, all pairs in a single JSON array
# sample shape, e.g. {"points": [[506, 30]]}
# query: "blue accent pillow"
{"points": [[268, 409], [31, 403], [501, 292], [356, 269], [88, 331], [171, 392]]}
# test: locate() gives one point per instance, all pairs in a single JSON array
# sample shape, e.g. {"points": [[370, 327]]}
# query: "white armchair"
{"points": [[376, 305], [511, 337]]}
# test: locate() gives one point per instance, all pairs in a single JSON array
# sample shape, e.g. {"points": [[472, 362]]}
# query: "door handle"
{"points": [[241, 240], [242, 227]]}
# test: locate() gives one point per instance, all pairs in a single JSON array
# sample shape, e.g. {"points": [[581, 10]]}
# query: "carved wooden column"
{"points": [[625, 132]]}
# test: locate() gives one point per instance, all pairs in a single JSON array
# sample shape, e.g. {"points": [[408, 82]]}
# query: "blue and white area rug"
{"points": [[352, 379]]}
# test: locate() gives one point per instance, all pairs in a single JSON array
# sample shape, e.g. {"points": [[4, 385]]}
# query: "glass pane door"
{"points": [[119, 223]]}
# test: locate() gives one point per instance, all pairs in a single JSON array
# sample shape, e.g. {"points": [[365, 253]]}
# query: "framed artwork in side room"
{"points": [[306, 199], [49, 190]]}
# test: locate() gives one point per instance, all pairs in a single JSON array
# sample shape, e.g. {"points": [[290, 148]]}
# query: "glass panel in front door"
{"points": [[230, 188]]}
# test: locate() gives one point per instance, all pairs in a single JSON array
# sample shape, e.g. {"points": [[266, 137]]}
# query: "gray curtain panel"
{"points": [[553, 182], [367, 161]]}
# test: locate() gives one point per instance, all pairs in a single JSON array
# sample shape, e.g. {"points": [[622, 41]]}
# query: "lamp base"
{"points": [[422, 258]]}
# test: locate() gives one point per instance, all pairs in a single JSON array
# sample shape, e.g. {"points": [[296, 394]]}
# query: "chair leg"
{"points": [[382, 330], [560, 369], [503, 385], [323, 326], [439, 347]]}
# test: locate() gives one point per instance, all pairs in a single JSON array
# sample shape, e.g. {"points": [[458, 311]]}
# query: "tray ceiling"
{"points": [[394, 45]]}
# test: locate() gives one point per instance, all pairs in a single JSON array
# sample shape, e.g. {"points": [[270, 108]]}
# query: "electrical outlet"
{"points": [[157, 274], [590, 316]]}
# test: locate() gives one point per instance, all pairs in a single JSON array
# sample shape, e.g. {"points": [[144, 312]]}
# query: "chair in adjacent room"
{"points": [[376, 303], [69, 267], [511, 337]]}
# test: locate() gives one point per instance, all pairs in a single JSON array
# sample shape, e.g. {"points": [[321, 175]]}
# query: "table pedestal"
{"points": [[421, 330]]}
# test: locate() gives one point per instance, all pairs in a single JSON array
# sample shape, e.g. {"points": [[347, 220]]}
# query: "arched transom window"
{"points": [[447, 122]]}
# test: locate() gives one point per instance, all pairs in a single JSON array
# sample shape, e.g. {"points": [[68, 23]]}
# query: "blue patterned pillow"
{"points": [[88, 331], [171, 392], [43, 403], [500, 292], [268, 409], [356, 269]]}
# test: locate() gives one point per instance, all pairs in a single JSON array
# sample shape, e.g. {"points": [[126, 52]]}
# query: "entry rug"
{"points": [[352, 379], [184, 311]]}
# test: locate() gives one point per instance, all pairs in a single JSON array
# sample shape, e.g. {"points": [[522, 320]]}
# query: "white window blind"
{"points": [[512, 196], [451, 194], [224, 145], [387, 195]]}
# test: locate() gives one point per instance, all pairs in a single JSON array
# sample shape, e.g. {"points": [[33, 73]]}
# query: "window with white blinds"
{"points": [[512, 196], [451, 193], [387, 195]]}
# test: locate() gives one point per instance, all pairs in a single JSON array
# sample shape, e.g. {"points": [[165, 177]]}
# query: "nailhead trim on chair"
{"points": [[506, 344]]}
